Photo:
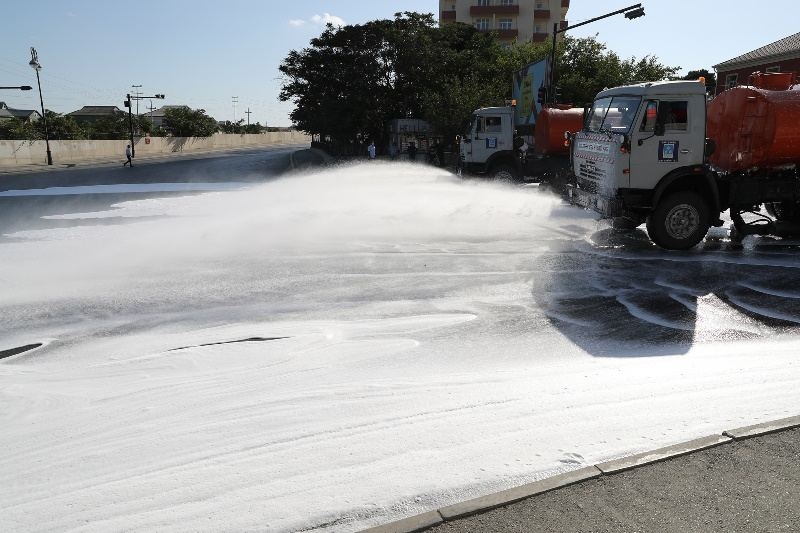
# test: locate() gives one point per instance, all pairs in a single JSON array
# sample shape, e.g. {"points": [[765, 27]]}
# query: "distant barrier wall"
{"points": [[35, 152]]}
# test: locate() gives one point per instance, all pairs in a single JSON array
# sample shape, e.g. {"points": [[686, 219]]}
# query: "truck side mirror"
{"points": [[659, 128]]}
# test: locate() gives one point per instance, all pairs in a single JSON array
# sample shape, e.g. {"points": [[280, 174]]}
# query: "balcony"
{"points": [[477, 11], [564, 4], [540, 37], [541, 14], [449, 15]]}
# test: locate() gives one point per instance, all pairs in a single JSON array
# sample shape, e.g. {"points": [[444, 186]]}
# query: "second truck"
{"points": [[492, 147]]}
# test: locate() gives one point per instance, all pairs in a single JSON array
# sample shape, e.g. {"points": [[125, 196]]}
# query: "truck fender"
{"points": [[708, 187]]}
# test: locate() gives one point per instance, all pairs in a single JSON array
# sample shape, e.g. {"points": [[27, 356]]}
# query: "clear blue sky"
{"points": [[202, 53]]}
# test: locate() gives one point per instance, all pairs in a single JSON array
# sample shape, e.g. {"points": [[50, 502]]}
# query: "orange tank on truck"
{"points": [[551, 123], [756, 126]]}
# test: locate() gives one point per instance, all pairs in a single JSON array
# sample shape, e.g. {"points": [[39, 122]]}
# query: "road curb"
{"points": [[407, 525], [499, 499], [662, 454], [515, 494], [763, 429]]}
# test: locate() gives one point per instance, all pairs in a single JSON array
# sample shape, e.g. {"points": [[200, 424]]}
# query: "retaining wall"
{"points": [[13, 153]]}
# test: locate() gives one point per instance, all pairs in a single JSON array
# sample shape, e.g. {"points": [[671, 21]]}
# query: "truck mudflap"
{"points": [[607, 207]]}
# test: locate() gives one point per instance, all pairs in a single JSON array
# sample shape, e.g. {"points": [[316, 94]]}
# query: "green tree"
{"points": [[711, 79], [185, 122], [232, 127], [352, 80], [114, 126], [61, 127], [16, 129], [254, 128], [585, 67]]}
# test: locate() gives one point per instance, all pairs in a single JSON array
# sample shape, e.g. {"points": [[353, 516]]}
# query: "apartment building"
{"points": [[514, 20]]}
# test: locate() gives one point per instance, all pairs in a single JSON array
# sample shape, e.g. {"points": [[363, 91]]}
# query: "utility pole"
{"points": [[235, 101], [151, 108], [129, 104], [34, 64], [136, 94], [248, 115]]}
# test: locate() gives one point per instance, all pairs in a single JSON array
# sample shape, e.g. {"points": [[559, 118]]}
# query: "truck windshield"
{"points": [[613, 114]]}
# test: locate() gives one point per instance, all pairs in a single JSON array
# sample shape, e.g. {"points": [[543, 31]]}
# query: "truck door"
{"points": [[665, 139], [488, 137]]}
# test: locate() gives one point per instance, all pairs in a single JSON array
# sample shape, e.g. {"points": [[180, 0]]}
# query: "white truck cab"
{"points": [[641, 157], [488, 144]]}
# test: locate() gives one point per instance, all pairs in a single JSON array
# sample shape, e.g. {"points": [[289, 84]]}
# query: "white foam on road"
{"points": [[411, 366]]}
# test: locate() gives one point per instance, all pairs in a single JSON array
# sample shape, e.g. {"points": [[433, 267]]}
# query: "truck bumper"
{"points": [[607, 207]]}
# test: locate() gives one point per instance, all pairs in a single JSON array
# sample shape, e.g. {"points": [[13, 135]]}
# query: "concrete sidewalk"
{"points": [[743, 480]]}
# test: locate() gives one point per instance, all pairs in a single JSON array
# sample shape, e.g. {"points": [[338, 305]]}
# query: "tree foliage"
{"points": [[185, 122], [239, 127], [585, 67], [115, 126], [711, 79], [352, 80]]}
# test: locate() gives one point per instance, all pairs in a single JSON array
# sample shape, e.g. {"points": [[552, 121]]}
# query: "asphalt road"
{"points": [[751, 485], [28, 196]]}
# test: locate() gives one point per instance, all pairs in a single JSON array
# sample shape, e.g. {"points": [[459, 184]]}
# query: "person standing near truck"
{"points": [[412, 151], [371, 150]]}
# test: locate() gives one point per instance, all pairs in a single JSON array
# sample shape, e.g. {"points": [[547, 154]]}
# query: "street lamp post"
{"points": [[128, 99], [631, 12], [34, 63]]}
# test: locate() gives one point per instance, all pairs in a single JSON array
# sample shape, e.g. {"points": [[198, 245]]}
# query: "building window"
{"points": [[776, 68], [482, 24], [541, 4], [539, 28], [507, 2], [730, 80], [482, 2], [504, 24]]}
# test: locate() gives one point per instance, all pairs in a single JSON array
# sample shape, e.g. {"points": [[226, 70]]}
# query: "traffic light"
{"points": [[541, 96], [127, 103], [635, 13], [160, 96]]}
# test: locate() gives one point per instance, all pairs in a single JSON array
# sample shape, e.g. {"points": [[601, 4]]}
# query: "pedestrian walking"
{"points": [[412, 151], [371, 150], [128, 154]]}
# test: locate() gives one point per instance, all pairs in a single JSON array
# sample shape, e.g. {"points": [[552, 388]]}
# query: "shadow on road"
{"points": [[618, 295]]}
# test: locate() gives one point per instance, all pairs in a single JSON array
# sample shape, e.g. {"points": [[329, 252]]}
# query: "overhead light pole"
{"points": [[128, 99], [34, 63], [631, 12]]}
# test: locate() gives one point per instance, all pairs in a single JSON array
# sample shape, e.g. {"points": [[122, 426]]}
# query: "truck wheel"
{"points": [[504, 173], [679, 221]]}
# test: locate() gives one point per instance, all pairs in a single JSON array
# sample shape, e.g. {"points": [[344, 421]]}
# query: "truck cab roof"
{"points": [[681, 87]]}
